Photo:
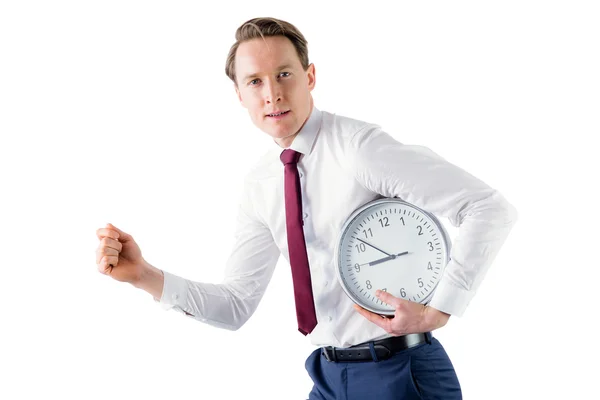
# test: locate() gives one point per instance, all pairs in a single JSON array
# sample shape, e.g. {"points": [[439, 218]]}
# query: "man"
{"points": [[296, 199]]}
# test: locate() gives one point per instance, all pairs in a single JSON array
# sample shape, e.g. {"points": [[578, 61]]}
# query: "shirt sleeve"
{"points": [[248, 271], [421, 177]]}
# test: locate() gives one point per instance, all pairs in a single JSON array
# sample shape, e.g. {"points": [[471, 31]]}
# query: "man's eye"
{"points": [[285, 74], [253, 81]]}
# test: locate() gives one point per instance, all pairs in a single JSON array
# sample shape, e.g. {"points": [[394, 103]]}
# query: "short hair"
{"points": [[262, 28]]}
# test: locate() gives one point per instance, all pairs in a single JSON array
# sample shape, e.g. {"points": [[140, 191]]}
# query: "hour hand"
{"points": [[381, 260], [384, 259]]}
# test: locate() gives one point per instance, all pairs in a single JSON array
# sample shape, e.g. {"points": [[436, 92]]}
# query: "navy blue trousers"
{"points": [[421, 372]]}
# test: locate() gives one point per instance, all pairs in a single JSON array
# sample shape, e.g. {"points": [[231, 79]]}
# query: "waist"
{"points": [[375, 350]]}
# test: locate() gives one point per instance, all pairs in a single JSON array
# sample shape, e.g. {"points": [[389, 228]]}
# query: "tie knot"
{"points": [[289, 156]]}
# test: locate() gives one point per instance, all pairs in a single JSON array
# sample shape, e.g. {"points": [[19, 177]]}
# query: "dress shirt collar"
{"points": [[304, 140]]}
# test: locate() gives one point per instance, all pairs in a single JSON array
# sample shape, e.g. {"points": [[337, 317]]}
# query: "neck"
{"points": [[287, 141]]}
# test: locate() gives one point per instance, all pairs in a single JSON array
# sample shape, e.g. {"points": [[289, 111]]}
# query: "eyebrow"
{"points": [[284, 66]]}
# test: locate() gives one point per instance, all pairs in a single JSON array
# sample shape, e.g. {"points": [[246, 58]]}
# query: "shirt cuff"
{"points": [[451, 299], [174, 292]]}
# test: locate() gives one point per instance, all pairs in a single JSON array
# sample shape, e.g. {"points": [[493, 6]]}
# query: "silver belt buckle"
{"points": [[326, 351]]}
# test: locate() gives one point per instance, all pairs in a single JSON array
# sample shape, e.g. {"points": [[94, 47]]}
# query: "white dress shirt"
{"points": [[345, 163]]}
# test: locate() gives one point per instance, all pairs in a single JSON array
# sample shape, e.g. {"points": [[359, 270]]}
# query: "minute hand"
{"points": [[376, 248]]}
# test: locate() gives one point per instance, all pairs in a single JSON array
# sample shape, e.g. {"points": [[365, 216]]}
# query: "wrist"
{"points": [[148, 274], [142, 273], [151, 280], [434, 318]]}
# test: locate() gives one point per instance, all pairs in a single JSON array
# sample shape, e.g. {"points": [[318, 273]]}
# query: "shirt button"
{"points": [[301, 174], [326, 283], [175, 296], [330, 319], [304, 216]]}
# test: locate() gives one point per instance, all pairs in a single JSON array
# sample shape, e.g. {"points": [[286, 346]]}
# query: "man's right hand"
{"points": [[118, 255]]}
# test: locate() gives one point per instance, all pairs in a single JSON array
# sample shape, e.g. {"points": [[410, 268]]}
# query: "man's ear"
{"points": [[312, 77], [239, 95]]}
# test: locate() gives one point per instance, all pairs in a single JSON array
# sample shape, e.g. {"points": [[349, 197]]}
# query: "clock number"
{"points": [[361, 247], [381, 221], [429, 265], [369, 285], [420, 230], [370, 233], [402, 219], [357, 267], [430, 246], [420, 281], [402, 292]]}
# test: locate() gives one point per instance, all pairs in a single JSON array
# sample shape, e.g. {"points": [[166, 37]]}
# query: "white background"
{"points": [[120, 111]]}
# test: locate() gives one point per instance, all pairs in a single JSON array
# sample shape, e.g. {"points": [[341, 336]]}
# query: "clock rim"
{"points": [[353, 216]]}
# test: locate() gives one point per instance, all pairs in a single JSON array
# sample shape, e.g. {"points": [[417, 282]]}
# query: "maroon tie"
{"points": [[305, 305]]}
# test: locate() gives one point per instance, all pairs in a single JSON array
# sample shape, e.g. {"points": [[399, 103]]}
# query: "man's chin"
{"points": [[283, 139], [280, 135]]}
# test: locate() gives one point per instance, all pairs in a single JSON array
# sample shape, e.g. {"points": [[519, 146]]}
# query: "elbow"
{"points": [[236, 324], [514, 215], [494, 210], [238, 312], [231, 325], [499, 213], [496, 206], [242, 304], [511, 215], [235, 327], [241, 315]]}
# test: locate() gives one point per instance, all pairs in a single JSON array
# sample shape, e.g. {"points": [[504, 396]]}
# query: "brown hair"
{"points": [[265, 27]]}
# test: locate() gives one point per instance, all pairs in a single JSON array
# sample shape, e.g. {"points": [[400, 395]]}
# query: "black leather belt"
{"points": [[384, 348]]}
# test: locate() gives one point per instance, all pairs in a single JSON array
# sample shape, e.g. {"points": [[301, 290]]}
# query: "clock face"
{"points": [[394, 246]]}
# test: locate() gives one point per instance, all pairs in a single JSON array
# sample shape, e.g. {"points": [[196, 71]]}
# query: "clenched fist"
{"points": [[118, 255]]}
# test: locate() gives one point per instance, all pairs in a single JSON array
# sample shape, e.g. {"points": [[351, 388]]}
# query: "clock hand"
{"points": [[384, 259], [381, 260], [376, 248]]}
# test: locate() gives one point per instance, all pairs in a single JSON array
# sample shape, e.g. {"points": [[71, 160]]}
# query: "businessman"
{"points": [[296, 198]]}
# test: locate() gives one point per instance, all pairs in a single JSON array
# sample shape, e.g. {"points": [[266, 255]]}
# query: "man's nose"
{"points": [[272, 92]]}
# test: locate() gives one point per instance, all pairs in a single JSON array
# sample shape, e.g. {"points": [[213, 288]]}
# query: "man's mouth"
{"points": [[279, 114]]}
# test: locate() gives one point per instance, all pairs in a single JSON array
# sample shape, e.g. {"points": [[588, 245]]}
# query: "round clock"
{"points": [[391, 245]]}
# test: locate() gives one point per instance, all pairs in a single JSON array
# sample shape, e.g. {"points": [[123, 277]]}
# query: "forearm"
{"points": [[229, 304], [481, 235], [225, 305], [151, 280]]}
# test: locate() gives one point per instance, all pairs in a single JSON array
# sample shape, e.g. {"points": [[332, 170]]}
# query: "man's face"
{"points": [[270, 80]]}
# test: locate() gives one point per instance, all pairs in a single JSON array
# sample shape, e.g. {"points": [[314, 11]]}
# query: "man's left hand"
{"points": [[409, 317]]}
